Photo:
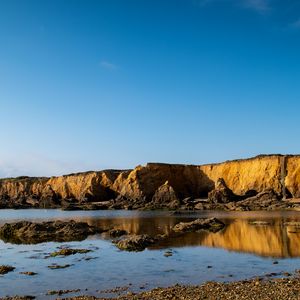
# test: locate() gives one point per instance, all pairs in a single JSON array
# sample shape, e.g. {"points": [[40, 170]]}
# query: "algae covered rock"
{"points": [[25, 232]]}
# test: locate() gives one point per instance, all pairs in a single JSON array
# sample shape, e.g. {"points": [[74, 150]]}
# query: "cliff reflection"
{"points": [[274, 240]]}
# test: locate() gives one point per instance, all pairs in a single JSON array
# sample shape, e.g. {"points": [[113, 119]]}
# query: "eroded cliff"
{"points": [[150, 183]]}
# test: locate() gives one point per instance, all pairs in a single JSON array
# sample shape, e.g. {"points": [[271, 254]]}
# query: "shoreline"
{"points": [[263, 288]]}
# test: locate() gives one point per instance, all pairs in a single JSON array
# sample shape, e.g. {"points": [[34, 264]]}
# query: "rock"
{"points": [[55, 266], [25, 232], [135, 189], [6, 269], [165, 196], [211, 224], [117, 232], [267, 200], [69, 251], [135, 242], [221, 193], [28, 273], [168, 253], [61, 292]]}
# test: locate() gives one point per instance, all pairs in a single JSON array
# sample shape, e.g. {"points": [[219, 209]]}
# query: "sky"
{"points": [[90, 85]]}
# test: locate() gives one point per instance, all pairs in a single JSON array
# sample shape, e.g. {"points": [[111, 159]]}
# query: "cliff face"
{"points": [[144, 181], [141, 184], [90, 186], [259, 173], [292, 179]]}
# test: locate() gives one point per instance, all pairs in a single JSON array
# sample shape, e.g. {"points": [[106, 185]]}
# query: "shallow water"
{"points": [[239, 251]]}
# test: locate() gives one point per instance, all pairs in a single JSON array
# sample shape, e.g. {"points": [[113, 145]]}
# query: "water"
{"points": [[240, 251]]}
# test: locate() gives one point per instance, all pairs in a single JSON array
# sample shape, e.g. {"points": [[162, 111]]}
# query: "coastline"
{"points": [[263, 288], [244, 184]]}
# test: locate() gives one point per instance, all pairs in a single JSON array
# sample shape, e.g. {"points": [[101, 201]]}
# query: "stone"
{"points": [[4, 269], [135, 242], [211, 224], [221, 193], [165, 196]]}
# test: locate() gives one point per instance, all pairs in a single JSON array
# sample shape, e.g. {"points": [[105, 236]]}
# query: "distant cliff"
{"points": [[156, 184]]}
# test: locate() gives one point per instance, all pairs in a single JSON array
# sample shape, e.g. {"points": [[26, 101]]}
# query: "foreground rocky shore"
{"points": [[262, 289], [283, 289], [250, 184]]}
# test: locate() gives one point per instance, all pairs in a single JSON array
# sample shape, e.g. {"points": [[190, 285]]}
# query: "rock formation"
{"points": [[25, 232], [221, 193], [158, 185]]}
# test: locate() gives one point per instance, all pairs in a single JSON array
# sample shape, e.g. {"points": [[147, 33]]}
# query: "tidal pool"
{"points": [[241, 250]]}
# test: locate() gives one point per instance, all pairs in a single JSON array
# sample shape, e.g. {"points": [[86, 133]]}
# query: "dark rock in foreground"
{"points": [[211, 224], [135, 242], [279, 289], [25, 232], [5, 269]]}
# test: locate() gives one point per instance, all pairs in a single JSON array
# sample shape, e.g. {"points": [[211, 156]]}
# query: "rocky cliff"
{"points": [[150, 184]]}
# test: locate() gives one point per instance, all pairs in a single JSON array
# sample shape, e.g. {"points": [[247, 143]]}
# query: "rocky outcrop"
{"points": [[165, 197], [135, 242], [57, 191], [157, 185], [211, 224], [25, 232], [221, 193]]}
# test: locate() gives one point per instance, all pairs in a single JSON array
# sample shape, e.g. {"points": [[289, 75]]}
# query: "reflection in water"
{"points": [[274, 239]]}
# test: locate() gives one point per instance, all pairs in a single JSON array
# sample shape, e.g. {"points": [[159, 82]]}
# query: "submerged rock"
{"points": [[25, 232], [211, 224], [29, 273], [6, 269], [135, 242], [69, 251], [54, 266]]}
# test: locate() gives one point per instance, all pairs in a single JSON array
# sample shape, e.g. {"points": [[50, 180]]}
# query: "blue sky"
{"points": [[116, 83]]}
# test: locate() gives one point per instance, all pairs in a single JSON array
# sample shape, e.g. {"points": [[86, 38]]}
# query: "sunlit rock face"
{"points": [[81, 187], [259, 173], [140, 184], [292, 179], [143, 181]]}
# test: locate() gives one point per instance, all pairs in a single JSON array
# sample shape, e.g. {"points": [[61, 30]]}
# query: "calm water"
{"points": [[240, 251]]}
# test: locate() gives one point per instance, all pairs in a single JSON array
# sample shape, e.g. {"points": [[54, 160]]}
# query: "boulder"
{"points": [[165, 197], [221, 193], [211, 224], [135, 242]]}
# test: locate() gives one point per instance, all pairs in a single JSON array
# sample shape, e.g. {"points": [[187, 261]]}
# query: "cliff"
{"points": [[139, 186]]}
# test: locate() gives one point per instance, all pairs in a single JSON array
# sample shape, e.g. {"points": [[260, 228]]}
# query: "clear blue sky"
{"points": [[117, 83]]}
